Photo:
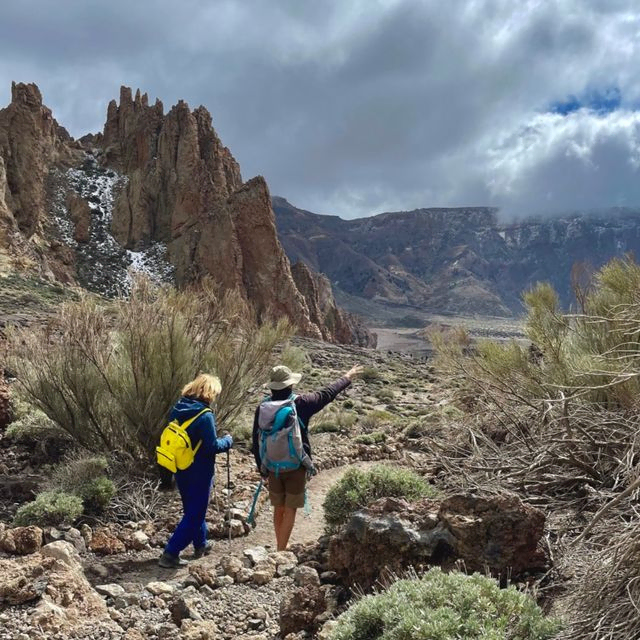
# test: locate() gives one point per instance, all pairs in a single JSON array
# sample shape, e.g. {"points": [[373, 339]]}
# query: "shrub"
{"points": [[84, 476], [417, 429], [97, 494], [325, 426], [370, 374], [34, 426], [136, 499], [241, 430], [108, 372], [47, 441], [331, 421], [76, 472], [51, 508], [371, 438], [356, 489], [296, 358], [376, 418], [440, 606], [385, 395]]}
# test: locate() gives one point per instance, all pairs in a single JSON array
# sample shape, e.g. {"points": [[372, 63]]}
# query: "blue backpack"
{"points": [[281, 436]]}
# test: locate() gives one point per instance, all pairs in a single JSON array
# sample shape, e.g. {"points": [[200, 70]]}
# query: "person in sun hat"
{"points": [[281, 442]]}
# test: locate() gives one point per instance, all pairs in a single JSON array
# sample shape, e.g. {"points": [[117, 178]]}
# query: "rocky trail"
{"points": [[142, 568], [240, 590]]}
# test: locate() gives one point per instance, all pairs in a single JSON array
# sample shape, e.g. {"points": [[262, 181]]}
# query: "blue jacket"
{"points": [[202, 430]]}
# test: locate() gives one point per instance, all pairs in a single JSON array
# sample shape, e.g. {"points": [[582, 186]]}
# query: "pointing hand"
{"points": [[354, 372]]}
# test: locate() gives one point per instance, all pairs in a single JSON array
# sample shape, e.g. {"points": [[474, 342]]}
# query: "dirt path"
{"points": [[308, 528], [143, 568]]}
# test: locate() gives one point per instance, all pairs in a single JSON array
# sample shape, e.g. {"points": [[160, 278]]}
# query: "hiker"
{"points": [[194, 482], [285, 468]]}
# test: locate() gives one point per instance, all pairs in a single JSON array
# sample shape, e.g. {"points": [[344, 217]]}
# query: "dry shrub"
{"points": [[605, 601], [109, 372], [136, 499], [558, 422], [563, 414]]}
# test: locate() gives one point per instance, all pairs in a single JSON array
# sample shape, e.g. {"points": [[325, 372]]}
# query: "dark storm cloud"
{"points": [[354, 107]]}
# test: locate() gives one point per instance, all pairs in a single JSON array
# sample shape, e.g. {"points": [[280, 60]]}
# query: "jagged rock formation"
{"points": [[30, 142], [324, 312], [152, 189], [453, 260]]}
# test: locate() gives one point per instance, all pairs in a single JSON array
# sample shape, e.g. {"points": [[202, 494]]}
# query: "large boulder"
{"points": [[21, 540], [54, 590], [300, 608], [495, 532]]}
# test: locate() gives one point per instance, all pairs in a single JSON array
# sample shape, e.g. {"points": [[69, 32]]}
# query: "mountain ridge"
{"points": [[461, 260]]}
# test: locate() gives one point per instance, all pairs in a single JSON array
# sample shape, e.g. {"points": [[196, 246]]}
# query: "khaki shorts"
{"points": [[287, 489]]}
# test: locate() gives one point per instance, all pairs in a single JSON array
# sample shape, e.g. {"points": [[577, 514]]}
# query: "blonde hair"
{"points": [[205, 387]]}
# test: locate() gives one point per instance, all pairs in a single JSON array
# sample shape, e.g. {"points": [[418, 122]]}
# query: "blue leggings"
{"points": [[192, 528]]}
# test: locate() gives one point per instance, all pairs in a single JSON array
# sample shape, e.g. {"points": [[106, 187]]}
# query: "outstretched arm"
{"points": [[311, 403]]}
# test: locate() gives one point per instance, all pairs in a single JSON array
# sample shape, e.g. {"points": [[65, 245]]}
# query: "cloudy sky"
{"points": [[354, 107]]}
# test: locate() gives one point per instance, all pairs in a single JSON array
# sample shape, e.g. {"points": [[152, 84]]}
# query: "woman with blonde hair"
{"points": [[194, 482]]}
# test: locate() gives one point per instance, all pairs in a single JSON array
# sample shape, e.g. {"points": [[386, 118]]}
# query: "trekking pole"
{"points": [[229, 495], [251, 518]]}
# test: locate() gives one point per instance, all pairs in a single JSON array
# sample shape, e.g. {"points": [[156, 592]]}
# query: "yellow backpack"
{"points": [[175, 451]]}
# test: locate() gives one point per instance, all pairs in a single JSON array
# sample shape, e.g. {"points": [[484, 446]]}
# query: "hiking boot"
{"points": [[169, 561], [198, 552]]}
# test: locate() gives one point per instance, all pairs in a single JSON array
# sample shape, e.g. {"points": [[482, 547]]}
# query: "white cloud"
{"points": [[583, 160]]}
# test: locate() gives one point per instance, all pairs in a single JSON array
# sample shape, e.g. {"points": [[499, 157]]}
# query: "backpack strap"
{"points": [[303, 426], [185, 425]]}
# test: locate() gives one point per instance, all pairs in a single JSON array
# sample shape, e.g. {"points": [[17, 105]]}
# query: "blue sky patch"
{"points": [[601, 102]]}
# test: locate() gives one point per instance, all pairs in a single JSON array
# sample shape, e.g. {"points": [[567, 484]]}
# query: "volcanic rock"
{"points": [[496, 532]]}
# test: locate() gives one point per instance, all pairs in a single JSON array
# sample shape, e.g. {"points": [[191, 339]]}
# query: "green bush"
{"points": [[370, 374], [97, 494], [385, 395], [356, 489], [440, 606], [76, 472], [588, 354], [34, 426], [51, 508], [241, 430], [325, 426], [417, 429], [376, 418], [331, 421], [296, 358], [84, 476], [377, 437]]}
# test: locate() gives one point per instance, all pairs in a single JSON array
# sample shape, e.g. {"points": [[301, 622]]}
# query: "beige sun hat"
{"points": [[282, 377]]}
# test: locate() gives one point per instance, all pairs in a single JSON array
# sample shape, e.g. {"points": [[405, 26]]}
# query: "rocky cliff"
{"points": [[453, 260], [31, 141], [155, 191]]}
